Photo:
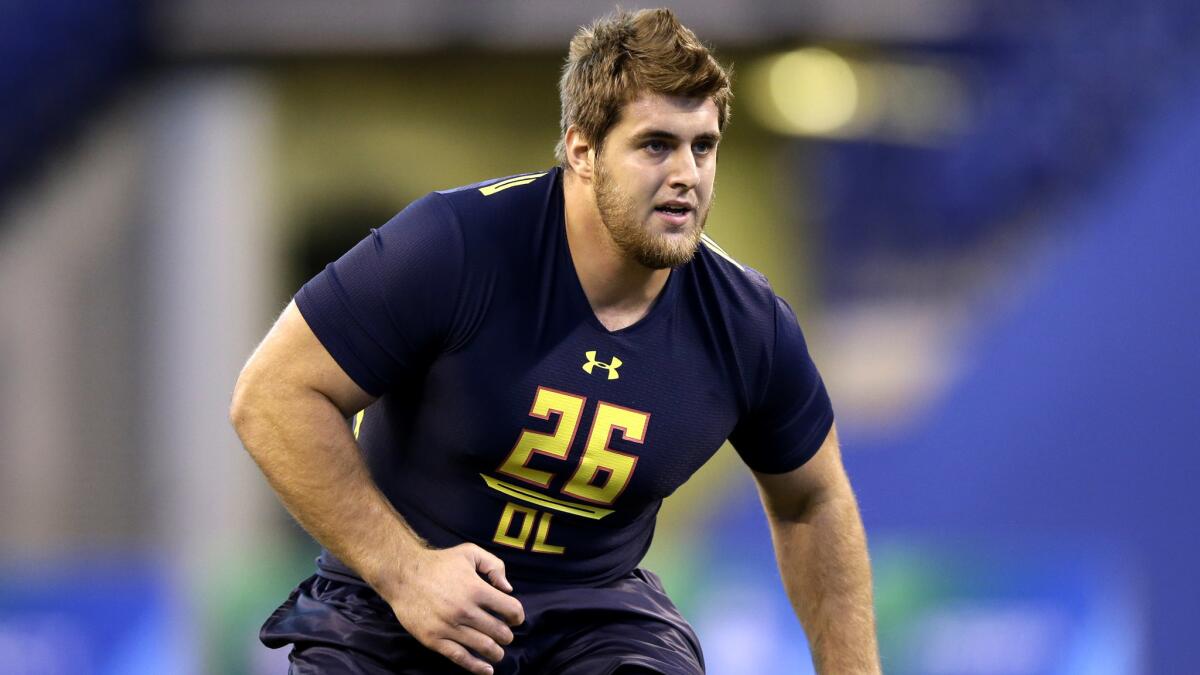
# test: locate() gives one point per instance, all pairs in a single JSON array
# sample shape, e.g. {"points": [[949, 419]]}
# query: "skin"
{"points": [[291, 401], [821, 550]]}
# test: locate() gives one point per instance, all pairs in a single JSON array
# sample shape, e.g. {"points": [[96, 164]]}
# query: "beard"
{"points": [[620, 216]]}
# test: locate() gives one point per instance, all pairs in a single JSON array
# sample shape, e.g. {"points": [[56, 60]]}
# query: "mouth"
{"points": [[676, 213]]}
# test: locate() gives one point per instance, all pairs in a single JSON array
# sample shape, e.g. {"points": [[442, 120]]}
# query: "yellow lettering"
{"points": [[603, 473], [556, 444], [506, 518], [543, 529]]}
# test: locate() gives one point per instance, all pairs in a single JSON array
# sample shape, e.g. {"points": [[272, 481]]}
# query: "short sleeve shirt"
{"points": [[510, 417]]}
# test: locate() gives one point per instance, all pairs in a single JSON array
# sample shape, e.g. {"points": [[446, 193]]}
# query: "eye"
{"points": [[655, 146], [703, 147]]}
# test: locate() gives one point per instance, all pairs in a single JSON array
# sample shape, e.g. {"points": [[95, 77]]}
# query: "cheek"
{"points": [[705, 187], [643, 189], [632, 180]]}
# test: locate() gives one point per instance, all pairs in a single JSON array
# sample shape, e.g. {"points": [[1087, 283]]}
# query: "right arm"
{"points": [[289, 408]]}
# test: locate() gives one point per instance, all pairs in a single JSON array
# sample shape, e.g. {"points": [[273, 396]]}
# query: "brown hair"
{"points": [[625, 54]]}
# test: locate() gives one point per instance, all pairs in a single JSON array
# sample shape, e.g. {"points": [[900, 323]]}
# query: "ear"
{"points": [[580, 154]]}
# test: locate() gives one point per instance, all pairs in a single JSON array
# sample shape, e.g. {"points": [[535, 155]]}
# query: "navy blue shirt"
{"points": [[508, 416]]}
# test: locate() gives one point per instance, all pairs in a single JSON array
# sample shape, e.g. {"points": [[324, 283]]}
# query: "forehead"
{"points": [[682, 115]]}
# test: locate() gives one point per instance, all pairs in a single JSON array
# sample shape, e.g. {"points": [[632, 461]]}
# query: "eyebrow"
{"points": [[652, 134]]}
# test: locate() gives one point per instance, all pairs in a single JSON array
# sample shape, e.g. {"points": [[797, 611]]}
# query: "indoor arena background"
{"points": [[986, 213]]}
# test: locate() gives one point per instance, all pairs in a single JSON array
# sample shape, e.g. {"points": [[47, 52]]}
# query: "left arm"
{"points": [[821, 549]]}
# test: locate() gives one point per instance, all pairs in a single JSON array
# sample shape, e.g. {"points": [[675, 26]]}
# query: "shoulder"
{"points": [[732, 286], [493, 186], [505, 219], [501, 199], [740, 312]]}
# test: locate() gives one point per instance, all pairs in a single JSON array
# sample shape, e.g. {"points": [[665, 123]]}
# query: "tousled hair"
{"points": [[625, 54]]}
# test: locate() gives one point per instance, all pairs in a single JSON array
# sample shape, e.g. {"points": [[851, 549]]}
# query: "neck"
{"points": [[619, 289]]}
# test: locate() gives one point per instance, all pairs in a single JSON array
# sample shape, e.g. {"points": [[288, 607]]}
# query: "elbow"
{"points": [[244, 405], [238, 408], [250, 415], [807, 507]]}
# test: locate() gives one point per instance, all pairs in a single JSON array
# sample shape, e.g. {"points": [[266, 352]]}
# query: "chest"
{"points": [[579, 413]]}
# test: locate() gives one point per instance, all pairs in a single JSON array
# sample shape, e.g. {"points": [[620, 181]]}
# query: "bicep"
{"points": [[291, 358], [790, 494]]}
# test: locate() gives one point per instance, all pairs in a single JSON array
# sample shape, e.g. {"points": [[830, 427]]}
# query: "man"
{"points": [[541, 360]]}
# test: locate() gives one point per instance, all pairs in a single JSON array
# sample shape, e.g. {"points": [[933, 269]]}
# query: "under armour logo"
{"points": [[593, 363]]}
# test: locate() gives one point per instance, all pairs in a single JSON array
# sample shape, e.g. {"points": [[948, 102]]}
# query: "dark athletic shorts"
{"points": [[628, 625]]}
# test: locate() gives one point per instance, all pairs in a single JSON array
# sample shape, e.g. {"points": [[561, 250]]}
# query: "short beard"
{"points": [[619, 215]]}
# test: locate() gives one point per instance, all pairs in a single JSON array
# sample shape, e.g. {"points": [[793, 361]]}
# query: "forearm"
{"points": [[309, 456], [822, 556]]}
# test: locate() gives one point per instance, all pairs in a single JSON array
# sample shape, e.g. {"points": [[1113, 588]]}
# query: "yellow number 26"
{"points": [[602, 473]]}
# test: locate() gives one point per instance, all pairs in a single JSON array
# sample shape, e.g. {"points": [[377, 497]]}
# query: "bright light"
{"points": [[810, 91], [816, 92]]}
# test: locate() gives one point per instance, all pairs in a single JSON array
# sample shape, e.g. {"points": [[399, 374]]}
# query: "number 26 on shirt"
{"points": [[602, 473]]}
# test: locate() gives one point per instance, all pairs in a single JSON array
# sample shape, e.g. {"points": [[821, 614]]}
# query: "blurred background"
{"points": [[984, 211]]}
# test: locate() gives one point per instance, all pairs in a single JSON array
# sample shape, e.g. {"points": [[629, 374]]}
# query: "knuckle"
{"points": [[455, 653], [502, 634], [518, 612], [488, 649], [491, 637], [459, 615], [423, 634], [462, 658]]}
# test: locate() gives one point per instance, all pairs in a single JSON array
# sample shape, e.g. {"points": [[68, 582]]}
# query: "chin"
{"points": [[668, 251]]}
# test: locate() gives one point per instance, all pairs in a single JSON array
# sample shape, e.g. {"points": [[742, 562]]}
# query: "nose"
{"points": [[685, 172]]}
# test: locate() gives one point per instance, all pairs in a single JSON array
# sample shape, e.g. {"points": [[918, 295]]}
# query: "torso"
{"points": [[550, 435]]}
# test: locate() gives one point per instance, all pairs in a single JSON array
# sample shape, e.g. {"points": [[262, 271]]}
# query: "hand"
{"points": [[445, 603]]}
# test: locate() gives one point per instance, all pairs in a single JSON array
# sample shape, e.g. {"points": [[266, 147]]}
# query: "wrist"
{"points": [[394, 560]]}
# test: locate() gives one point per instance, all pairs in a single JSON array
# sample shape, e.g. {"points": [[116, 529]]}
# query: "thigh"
{"points": [[628, 647], [631, 627], [317, 659], [337, 627]]}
